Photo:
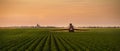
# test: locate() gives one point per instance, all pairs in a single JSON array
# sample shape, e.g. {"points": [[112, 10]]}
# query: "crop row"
{"points": [[57, 41]]}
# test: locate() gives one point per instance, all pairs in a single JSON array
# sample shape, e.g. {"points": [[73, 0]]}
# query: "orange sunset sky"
{"points": [[59, 12]]}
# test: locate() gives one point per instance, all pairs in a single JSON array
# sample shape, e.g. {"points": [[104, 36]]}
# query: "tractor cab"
{"points": [[71, 28]]}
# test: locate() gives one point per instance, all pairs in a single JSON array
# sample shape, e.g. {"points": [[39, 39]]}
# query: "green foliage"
{"points": [[47, 40]]}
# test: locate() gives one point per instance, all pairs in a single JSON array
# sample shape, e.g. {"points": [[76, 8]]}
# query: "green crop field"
{"points": [[97, 39]]}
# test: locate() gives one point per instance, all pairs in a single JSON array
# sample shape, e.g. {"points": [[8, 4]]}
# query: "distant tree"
{"points": [[38, 26]]}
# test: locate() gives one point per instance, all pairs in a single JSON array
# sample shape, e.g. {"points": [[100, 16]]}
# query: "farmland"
{"points": [[97, 39]]}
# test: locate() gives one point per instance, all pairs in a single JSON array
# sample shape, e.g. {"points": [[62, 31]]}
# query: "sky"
{"points": [[59, 12]]}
